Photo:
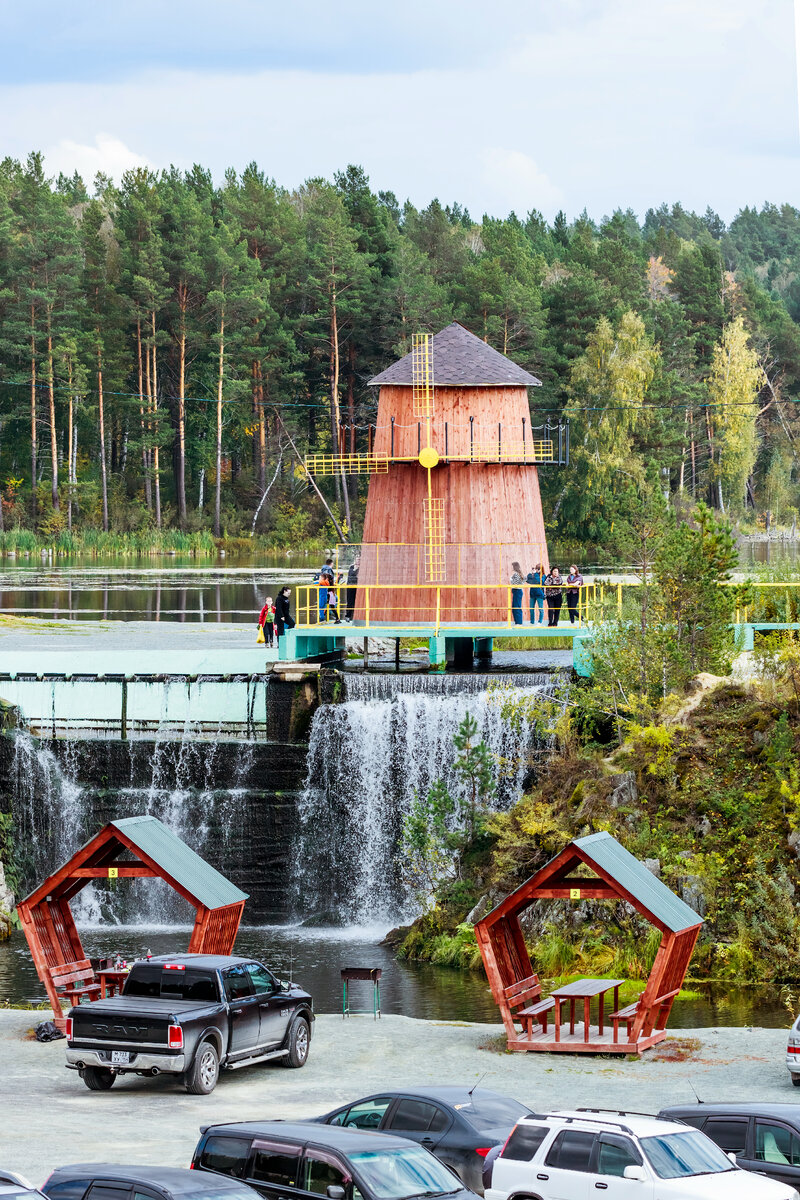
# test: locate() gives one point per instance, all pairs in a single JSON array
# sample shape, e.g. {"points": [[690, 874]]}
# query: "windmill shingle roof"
{"points": [[461, 360]]}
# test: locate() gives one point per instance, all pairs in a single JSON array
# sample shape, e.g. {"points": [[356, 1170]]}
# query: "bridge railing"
{"points": [[772, 602], [469, 604]]}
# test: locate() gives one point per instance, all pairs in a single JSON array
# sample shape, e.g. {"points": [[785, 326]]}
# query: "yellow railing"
{"points": [[437, 604], [508, 452], [351, 464], [471, 602]]}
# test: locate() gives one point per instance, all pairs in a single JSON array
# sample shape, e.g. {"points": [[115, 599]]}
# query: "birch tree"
{"points": [[734, 382]]}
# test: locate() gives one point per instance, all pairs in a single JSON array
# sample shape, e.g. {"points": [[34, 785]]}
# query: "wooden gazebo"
{"points": [[590, 868], [136, 847]]}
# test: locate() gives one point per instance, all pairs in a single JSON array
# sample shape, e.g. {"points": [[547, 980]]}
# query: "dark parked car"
{"points": [[107, 1181], [459, 1124], [298, 1160], [190, 1015], [764, 1137]]}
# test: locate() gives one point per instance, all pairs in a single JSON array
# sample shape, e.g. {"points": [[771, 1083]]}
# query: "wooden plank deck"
{"points": [[573, 1043]]}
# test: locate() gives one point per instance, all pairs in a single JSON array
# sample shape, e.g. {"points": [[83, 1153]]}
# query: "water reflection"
{"points": [[314, 958], [168, 593]]}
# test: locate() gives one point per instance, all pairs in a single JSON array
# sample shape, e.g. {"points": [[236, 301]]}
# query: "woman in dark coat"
{"points": [[283, 618], [553, 585], [574, 585]]}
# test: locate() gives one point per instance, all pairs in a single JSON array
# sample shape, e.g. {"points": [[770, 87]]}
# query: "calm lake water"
{"points": [[148, 589], [314, 958], [181, 588]]}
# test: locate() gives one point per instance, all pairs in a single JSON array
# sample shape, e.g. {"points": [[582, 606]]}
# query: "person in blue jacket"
{"points": [[536, 579]]}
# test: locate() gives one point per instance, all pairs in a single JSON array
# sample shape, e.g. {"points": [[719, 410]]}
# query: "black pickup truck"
{"points": [[190, 1015]]}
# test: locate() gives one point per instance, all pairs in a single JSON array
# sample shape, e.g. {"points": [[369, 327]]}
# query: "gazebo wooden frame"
{"points": [[134, 848], [616, 875]]}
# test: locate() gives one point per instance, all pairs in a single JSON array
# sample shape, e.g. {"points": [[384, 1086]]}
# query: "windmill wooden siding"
{"points": [[493, 511]]}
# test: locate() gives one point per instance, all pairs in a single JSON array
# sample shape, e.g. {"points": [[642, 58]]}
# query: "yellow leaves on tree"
{"points": [[659, 277], [733, 386]]}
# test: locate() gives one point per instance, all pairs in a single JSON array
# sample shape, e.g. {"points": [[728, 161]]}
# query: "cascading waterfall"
{"points": [[54, 814], [370, 755]]}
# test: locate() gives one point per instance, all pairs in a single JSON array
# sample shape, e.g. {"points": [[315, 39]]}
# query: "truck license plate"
{"points": [[118, 1057]]}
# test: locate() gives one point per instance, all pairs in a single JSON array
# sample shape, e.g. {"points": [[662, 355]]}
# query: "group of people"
{"points": [[275, 618], [549, 587], [328, 598]]}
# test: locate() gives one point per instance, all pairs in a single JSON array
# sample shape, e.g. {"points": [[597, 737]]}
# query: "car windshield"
{"points": [[398, 1174], [489, 1112], [679, 1155]]}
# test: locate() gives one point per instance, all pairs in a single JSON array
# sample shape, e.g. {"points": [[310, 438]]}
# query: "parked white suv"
{"points": [[622, 1156], [793, 1053]]}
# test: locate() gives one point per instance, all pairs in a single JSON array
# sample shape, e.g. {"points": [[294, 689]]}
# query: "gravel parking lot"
{"points": [[49, 1118]]}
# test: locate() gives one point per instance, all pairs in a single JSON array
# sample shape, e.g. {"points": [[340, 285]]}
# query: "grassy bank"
{"points": [[712, 799]]}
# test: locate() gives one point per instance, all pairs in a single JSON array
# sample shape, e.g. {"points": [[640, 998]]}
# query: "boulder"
{"points": [[624, 792]]}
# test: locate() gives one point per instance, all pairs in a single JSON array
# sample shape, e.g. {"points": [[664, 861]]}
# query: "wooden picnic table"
{"points": [[111, 981], [586, 990]]}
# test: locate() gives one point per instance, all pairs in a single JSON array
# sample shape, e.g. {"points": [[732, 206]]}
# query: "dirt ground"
{"points": [[49, 1118]]}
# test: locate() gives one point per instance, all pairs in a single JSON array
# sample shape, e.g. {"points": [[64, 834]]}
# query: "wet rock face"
{"points": [[6, 905], [235, 803]]}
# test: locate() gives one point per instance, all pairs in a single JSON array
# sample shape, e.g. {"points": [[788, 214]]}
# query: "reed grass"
{"points": [[140, 543]]}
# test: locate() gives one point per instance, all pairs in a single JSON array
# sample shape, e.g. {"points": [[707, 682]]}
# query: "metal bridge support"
{"points": [[582, 656], [484, 647], [437, 651], [745, 636]]}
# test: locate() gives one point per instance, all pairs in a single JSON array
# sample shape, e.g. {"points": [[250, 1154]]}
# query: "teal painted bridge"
{"points": [[310, 642], [318, 641]]}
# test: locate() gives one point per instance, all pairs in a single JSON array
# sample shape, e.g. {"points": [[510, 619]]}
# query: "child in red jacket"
{"points": [[267, 620]]}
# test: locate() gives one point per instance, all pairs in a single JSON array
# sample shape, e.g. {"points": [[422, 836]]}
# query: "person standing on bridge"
{"points": [[283, 618], [536, 578], [553, 585], [326, 580], [352, 587], [574, 585], [267, 620], [516, 582]]}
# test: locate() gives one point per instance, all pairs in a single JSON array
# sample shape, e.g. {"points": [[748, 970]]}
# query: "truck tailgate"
{"points": [[134, 1019]]}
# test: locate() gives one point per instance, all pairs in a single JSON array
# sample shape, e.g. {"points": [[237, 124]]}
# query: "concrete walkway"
{"points": [[50, 1118], [130, 647]]}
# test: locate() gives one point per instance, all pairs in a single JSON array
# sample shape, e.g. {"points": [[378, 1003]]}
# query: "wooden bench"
{"points": [[75, 979], [629, 1014], [518, 994]]}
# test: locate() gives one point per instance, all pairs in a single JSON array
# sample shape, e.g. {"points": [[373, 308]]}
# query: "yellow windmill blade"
{"points": [[422, 375]]}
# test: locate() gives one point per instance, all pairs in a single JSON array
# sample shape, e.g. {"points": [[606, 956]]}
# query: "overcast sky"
{"points": [[497, 104]]}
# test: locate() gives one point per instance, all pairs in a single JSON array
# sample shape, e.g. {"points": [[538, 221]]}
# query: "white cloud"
{"points": [[108, 154], [616, 103], [517, 182]]}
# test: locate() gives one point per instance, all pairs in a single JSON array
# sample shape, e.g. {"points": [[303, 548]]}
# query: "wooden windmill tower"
{"points": [[454, 490]]}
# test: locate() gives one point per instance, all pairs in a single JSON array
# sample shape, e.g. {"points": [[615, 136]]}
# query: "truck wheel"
{"points": [[98, 1079], [297, 1044], [202, 1076]]}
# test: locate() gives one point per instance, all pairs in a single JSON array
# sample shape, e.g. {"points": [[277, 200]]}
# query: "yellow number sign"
{"points": [[113, 873], [574, 893]]}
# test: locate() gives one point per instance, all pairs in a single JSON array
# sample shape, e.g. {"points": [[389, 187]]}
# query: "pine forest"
{"points": [[170, 349]]}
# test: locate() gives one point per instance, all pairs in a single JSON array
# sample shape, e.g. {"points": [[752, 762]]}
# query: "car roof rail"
{"points": [[577, 1115], [620, 1112]]}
